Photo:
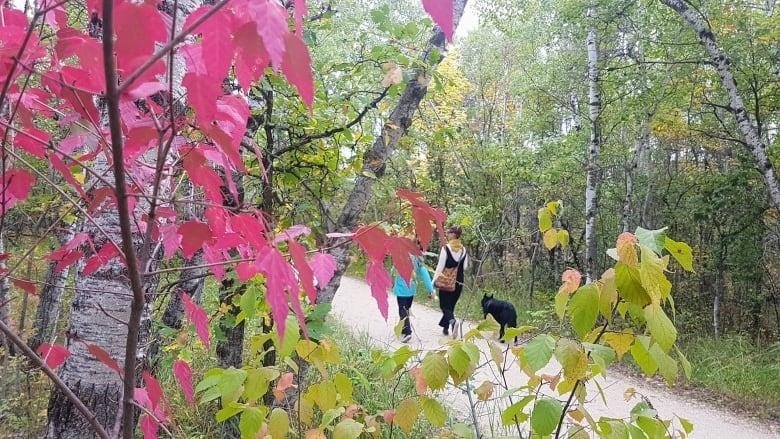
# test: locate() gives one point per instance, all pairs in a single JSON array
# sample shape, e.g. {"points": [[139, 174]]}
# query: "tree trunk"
{"points": [[375, 159], [593, 180], [753, 141], [5, 301], [49, 301], [641, 143]]}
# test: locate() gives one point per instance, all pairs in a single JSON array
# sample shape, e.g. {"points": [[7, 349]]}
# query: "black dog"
{"points": [[503, 312]]}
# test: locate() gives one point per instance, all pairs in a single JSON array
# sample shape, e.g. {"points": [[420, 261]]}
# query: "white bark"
{"points": [[593, 180], [5, 299], [753, 142]]}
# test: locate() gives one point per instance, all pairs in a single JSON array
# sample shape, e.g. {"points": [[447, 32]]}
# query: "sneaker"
{"points": [[445, 331], [406, 338], [452, 327]]}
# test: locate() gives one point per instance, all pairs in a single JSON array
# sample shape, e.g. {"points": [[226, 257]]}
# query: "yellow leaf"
{"points": [[620, 342], [278, 423], [626, 249], [550, 239], [681, 252], [406, 414], [316, 433], [545, 219], [484, 391], [608, 295], [563, 237], [572, 357], [651, 274]]}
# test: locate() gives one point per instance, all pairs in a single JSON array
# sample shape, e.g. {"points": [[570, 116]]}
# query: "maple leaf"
{"points": [[299, 13], [305, 273], [372, 240], [270, 18], [292, 233], [400, 249], [324, 266], [193, 235], [33, 141], [16, 186], [149, 426], [183, 374], [423, 215], [217, 44], [227, 127], [441, 13], [284, 383], [296, 66], [250, 228], [53, 355], [132, 47], [25, 285], [171, 239], [104, 357], [380, 282], [108, 252], [279, 279], [251, 56], [197, 317]]}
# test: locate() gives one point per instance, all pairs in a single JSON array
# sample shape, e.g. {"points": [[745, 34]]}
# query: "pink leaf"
{"points": [[270, 17], [193, 235], [149, 426], [323, 265], [300, 12], [153, 389], [201, 174], [279, 278], [423, 215], [380, 282], [340, 235], [170, 238], [25, 285], [441, 13], [183, 374], [400, 249], [53, 355], [292, 233], [15, 187], [305, 274], [296, 67], [197, 316], [104, 357]]}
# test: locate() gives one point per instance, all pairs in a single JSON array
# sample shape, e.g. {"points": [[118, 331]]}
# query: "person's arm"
{"points": [[422, 273], [465, 261], [440, 265]]}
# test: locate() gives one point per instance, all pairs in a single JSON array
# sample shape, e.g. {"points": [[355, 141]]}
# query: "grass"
{"points": [[735, 367]]}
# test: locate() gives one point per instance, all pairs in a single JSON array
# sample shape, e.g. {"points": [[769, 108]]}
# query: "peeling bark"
{"points": [[752, 139]]}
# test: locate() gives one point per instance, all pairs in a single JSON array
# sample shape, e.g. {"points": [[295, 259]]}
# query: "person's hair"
{"points": [[455, 230]]}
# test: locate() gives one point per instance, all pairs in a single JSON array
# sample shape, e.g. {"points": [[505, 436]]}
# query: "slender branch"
{"points": [[168, 47], [29, 353], [120, 190]]}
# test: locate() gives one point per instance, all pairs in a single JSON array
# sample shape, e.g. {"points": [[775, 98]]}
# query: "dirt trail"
{"points": [[355, 307]]}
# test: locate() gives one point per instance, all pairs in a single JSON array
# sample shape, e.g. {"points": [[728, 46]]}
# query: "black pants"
{"points": [[447, 302], [404, 304]]}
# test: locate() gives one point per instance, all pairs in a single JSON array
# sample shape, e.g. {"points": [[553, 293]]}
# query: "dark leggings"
{"points": [[447, 302], [404, 304]]}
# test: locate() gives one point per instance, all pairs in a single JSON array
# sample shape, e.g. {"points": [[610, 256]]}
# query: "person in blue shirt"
{"points": [[404, 293]]}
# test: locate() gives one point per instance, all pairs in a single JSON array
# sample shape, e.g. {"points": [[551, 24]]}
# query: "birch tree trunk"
{"points": [[593, 180], [375, 159], [5, 301], [49, 302], [752, 140]]}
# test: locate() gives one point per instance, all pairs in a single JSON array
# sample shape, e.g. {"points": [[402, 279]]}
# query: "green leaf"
{"points": [[514, 413], [550, 239], [563, 237], [343, 387], [651, 274], [620, 342], [348, 429], [661, 328], [248, 304], [655, 239], [654, 428], [629, 285], [228, 411], [406, 414], [561, 299], [537, 352], [230, 384], [681, 252], [613, 429], [666, 364], [686, 365], [686, 425], [608, 295], [250, 422], [584, 308], [435, 370], [545, 219], [291, 337], [641, 354], [472, 350], [433, 411], [601, 355], [331, 415], [545, 416], [458, 359], [463, 431], [256, 384], [278, 423], [572, 357]]}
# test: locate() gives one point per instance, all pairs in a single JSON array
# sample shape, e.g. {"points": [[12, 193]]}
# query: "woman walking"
{"points": [[452, 255], [404, 293]]}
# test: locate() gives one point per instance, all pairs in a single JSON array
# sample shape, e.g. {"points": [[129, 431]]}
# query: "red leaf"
{"points": [[133, 45], [284, 383], [251, 56], [305, 274], [104, 357], [441, 13], [201, 174], [270, 18], [372, 240], [193, 235], [183, 374], [149, 426], [108, 252], [53, 355], [296, 67], [197, 316], [423, 214], [323, 265], [217, 44], [170, 238], [33, 141], [400, 249], [57, 163], [300, 12], [25, 285], [380, 282], [153, 389], [292, 233], [15, 188], [279, 279], [250, 228]]}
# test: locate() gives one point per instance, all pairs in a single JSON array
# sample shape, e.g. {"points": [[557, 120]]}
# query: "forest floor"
{"points": [[355, 307]]}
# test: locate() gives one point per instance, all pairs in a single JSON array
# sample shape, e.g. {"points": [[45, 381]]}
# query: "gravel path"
{"points": [[356, 308]]}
